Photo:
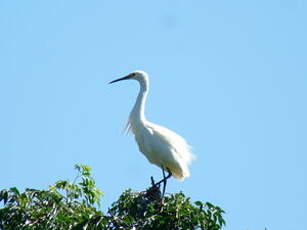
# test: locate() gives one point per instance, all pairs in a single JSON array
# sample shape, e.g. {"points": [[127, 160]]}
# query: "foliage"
{"points": [[75, 205], [144, 211]]}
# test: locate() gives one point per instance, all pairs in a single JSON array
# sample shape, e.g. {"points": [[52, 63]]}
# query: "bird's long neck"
{"points": [[137, 114]]}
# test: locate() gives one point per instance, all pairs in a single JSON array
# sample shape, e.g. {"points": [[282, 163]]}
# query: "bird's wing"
{"points": [[174, 141]]}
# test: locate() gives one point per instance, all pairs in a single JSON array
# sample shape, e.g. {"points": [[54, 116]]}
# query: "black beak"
{"points": [[120, 79]]}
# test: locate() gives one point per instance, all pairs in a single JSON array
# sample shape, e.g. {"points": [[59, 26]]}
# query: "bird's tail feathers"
{"points": [[182, 171], [182, 174]]}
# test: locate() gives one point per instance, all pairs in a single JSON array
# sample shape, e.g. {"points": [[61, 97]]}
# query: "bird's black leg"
{"points": [[164, 182], [152, 181], [169, 174]]}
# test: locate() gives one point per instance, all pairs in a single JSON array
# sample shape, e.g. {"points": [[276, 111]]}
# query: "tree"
{"points": [[75, 205]]}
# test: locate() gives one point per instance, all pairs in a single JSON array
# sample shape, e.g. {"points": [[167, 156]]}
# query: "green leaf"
{"points": [[74, 205], [4, 196], [15, 191]]}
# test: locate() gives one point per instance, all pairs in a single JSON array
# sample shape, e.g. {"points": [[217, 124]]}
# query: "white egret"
{"points": [[161, 146]]}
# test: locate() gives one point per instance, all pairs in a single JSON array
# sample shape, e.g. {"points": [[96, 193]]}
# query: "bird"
{"points": [[161, 146]]}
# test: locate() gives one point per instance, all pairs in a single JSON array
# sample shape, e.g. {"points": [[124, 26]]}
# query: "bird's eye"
{"points": [[133, 75]]}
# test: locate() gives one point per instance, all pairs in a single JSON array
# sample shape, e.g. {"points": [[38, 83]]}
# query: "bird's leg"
{"points": [[152, 182], [159, 182], [164, 177], [164, 182], [163, 173]]}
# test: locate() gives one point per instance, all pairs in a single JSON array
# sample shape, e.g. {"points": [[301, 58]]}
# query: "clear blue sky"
{"points": [[229, 76]]}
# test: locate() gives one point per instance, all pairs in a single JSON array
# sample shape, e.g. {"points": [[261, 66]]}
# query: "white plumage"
{"points": [[160, 145]]}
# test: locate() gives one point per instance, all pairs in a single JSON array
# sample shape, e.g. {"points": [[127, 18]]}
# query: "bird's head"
{"points": [[138, 75]]}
